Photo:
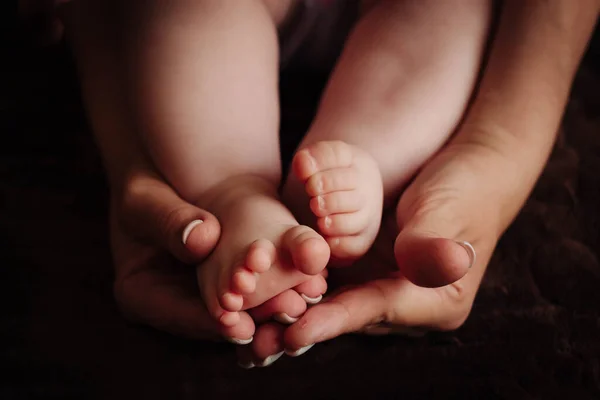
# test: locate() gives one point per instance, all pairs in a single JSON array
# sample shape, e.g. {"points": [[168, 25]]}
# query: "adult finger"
{"points": [[446, 220], [149, 290], [154, 299], [343, 312], [392, 302], [266, 348], [152, 211]]}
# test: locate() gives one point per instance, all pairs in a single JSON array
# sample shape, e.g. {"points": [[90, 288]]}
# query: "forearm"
{"points": [[524, 89], [97, 56]]}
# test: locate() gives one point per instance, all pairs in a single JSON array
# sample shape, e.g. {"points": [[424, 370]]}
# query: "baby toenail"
{"points": [[311, 300], [240, 342], [321, 202], [189, 228], [247, 365], [327, 222], [312, 162], [270, 360], [470, 250], [320, 186], [285, 318], [299, 352], [229, 318]]}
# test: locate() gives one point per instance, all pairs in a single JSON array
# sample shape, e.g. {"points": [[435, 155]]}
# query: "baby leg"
{"points": [[204, 87], [397, 93]]}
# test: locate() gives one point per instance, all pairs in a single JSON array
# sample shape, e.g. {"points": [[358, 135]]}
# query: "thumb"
{"points": [[429, 260], [151, 210], [394, 303], [438, 237], [349, 310]]}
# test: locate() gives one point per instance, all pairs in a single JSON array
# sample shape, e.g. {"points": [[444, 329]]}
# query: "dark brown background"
{"points": [[534, 332]]}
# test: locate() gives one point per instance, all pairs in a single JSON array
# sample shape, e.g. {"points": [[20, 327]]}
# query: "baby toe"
{"points": [[347, 249], [230, 302], [243, 282], [343, 224], [308, 250], [339, 202], [229, 319], [321, 156], [240, 333], [331, 181], [261, 256]]}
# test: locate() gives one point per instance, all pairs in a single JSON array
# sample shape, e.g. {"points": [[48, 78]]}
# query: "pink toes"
{"points": [[261, 255], [346, 195], [240, 333], [229, 318], [259, 258], [341, 202], [308, 250], [321, 156], [343, 224]]}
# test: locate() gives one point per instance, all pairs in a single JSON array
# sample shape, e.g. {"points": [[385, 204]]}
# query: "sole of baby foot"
{"points": [[270, 269], [262, 252], [345, 190]]}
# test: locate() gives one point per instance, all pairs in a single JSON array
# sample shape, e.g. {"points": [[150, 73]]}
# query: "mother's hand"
{"points": [[454, 197], [473, 188], [149, 224]]}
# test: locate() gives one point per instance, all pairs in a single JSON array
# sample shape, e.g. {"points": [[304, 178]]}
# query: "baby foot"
{"points": [[262, 251], [346, 195]]}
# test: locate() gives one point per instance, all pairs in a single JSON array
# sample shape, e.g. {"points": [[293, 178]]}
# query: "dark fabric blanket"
{"points": [[534, 332]]}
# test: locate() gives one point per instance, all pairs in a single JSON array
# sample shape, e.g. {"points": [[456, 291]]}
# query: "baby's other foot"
{"points": [[262, 251], [345, 189]]}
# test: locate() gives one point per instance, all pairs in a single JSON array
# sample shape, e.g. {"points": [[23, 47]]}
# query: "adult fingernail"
{"points": [[311, 300], [270, 360], [470, 251], [247, 365], [285, 318], [299, 352], [240, 342], [189, 228]]}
